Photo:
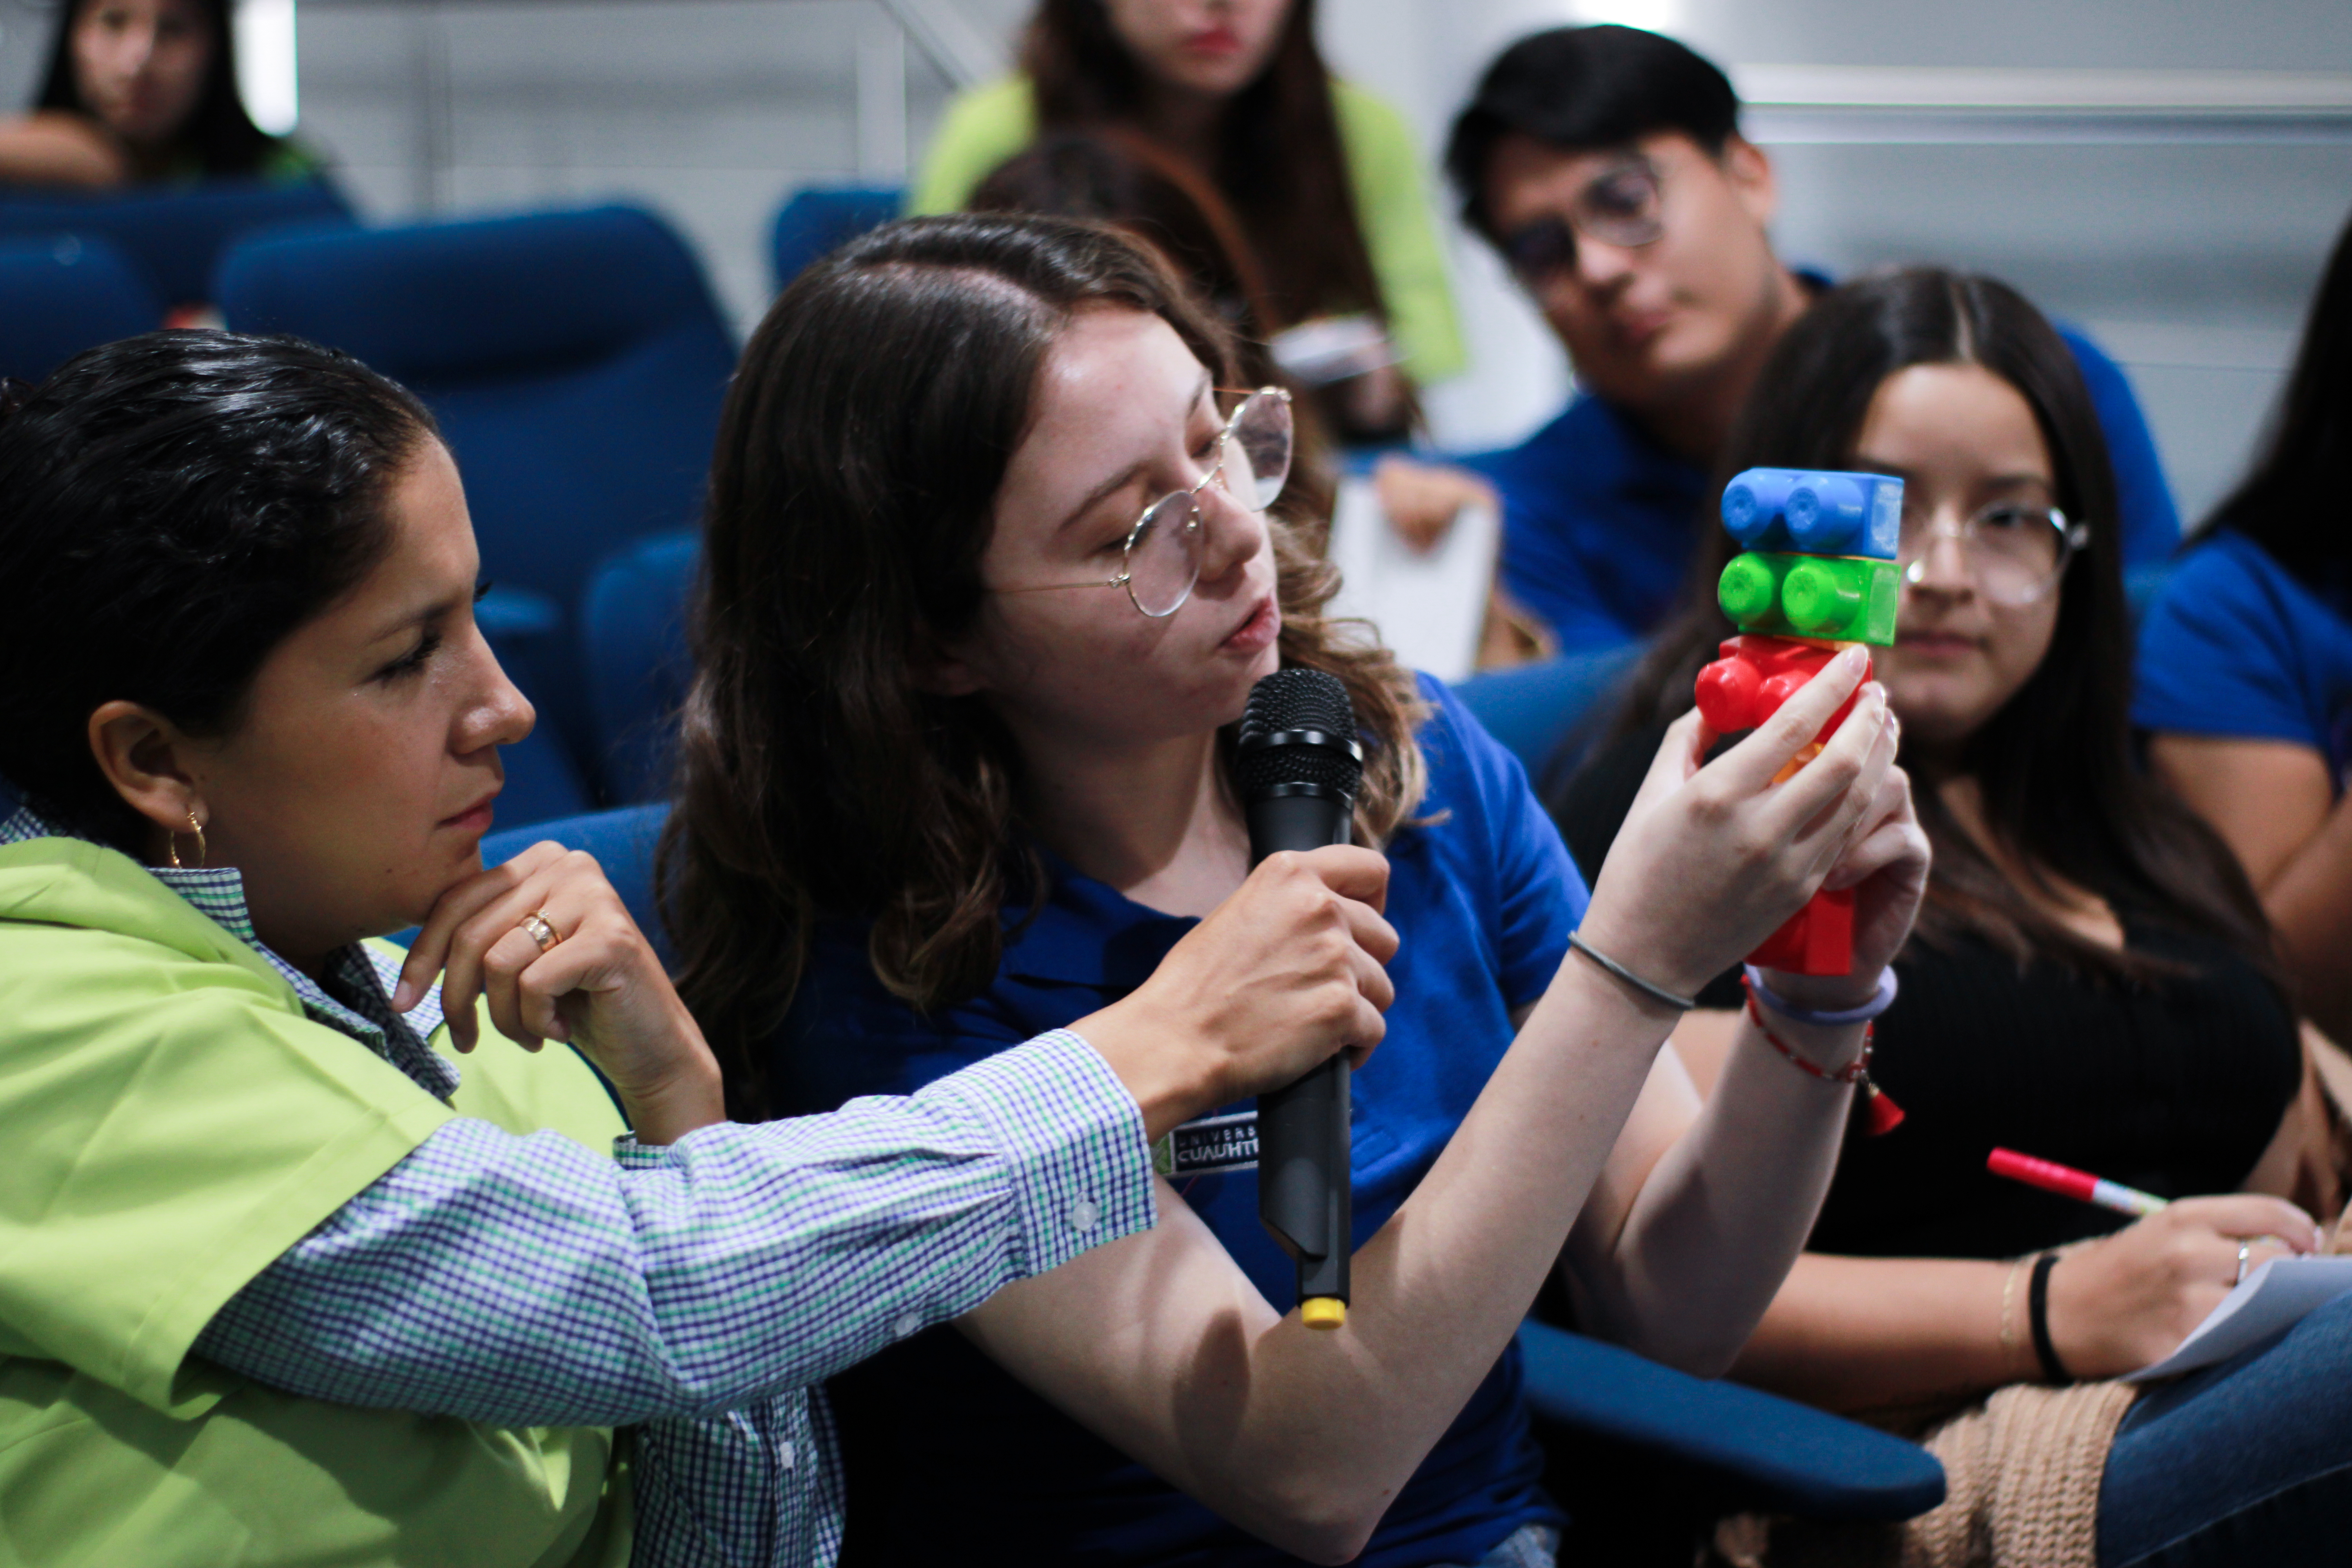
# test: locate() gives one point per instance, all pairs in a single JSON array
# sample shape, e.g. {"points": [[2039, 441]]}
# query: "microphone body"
{"points": [[1298, 766]]}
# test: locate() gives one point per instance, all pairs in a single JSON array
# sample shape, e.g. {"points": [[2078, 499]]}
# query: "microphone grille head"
{"points": [[1292, 701], [1300, 699]]}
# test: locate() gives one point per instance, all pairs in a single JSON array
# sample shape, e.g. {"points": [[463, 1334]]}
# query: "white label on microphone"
{"points": [[1209, 1147]]}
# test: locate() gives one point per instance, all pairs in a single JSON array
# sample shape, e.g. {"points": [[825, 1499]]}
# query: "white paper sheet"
{"points": [[1430, 606], [2279, 1293]]}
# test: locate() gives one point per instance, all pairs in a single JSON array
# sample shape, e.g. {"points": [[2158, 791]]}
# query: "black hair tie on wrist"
{"points": [[2037, 1314]]}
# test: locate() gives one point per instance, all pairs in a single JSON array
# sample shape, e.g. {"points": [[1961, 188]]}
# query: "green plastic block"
{"points": [[1840, 598]]}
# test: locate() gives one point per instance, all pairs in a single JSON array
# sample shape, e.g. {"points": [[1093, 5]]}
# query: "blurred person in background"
{"points": [[2089, 980], [143, 92], [2246, 674], [1324, 178], [1606, 165]]}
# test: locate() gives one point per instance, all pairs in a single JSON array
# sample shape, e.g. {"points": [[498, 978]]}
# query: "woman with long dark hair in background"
{"points": [[139, 93], [1325, 178], [2089, 982], [2245, 671], [991, 575]]}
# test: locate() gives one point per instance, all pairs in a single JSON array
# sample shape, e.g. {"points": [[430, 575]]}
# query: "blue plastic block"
{"points": [[1806, 513]]}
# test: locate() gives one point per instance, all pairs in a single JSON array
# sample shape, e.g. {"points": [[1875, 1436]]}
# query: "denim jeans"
{"points": [[2246, 1462]]}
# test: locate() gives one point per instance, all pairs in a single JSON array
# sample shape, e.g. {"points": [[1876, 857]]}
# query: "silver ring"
{"points": [[2246, 1247], [536, 925]]}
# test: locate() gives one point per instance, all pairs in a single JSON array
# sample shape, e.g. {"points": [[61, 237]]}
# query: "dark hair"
{"points": [[1582, 87], [2293, 504], [222, 136], [859, 456], [1279, 160], [2061, 790], [172, 507], [1119, 177]]}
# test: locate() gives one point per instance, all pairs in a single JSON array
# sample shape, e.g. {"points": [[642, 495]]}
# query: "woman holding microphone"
{"points": [[990, 579], [283, 1278]]}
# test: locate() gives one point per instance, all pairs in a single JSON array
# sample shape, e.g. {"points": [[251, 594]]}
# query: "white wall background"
{"points": [[2191, 261]]}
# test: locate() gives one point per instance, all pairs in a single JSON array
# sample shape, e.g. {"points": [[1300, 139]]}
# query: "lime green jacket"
{"points": [[986, 125], [174, 1123]]}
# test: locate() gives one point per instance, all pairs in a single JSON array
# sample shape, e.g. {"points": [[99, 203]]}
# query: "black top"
{"points": [[2176, 1086]]}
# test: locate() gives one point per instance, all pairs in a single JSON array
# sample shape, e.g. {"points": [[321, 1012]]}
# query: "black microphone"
{"points": [[1298, 767]]}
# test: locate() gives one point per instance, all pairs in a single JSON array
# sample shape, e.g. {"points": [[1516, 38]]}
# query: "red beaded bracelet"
{"points": [[1881, 1115]]}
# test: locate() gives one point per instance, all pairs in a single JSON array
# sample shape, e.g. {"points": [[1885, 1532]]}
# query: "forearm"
{"points": [[1334, 1424], [531, 1281], [2309, 900], [40, 152], [1712, 1233], [1853, 1333]]}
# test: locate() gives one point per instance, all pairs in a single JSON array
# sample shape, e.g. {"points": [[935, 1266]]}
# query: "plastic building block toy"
{"points": [[1815, 513], [1756, 675], [1835, 598], [1817, 939], [1819, 565]]}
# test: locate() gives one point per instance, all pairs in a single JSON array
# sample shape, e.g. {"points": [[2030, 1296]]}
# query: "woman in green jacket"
{"points": [[1324, 177], [282, 1283]]}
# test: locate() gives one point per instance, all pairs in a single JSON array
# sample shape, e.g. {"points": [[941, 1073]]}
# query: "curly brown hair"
{"points": [[862, 447]]}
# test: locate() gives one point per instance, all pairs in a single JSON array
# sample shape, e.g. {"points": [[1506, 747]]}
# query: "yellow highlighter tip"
{"points": [[1323, 1312]]}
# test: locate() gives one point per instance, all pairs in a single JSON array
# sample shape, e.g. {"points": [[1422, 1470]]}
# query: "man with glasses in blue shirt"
{"points": [[1606, 165]]}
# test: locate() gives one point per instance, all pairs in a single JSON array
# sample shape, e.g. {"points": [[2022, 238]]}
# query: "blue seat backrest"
{"points": [[575, 360], [623, 842], [63, 293], [634, 642], [819, 219], [175, 238]]}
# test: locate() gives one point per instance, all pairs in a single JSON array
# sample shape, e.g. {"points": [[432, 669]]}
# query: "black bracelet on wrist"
{"points": [[2037, 1315]]}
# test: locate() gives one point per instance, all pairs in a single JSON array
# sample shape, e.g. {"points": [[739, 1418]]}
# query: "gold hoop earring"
{"points": [[172, 845]]}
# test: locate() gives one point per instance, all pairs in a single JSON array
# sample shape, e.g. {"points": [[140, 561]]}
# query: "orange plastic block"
{"points": [[1756, 675]]}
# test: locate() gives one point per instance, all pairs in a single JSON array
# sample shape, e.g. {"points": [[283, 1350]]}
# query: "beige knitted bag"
{"points": [[2022, 1471]]}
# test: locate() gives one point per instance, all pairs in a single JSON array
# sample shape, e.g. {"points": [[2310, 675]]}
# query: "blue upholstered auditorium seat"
{"points": [[174, 239], [821, 218], [576, 361], [60, 294], [633, 638]]}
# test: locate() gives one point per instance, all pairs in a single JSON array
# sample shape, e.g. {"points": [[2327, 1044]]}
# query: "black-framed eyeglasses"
{"points": [[1619, 206], [2014, 554], [1161, 560]]}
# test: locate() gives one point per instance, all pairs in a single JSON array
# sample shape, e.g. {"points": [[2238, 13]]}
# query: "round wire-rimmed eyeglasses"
{"points": [[2015, 554], [1161, 559], [1621, 206]]}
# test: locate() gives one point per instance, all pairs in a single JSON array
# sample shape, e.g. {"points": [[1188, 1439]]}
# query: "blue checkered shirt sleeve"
{"points": [[701, 1288]]}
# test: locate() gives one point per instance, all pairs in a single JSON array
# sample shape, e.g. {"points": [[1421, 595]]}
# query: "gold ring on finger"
{"points": [[542, 931]]}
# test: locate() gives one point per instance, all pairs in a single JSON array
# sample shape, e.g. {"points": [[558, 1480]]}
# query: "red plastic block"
{"points": [[1818, 939], [1756, 675], [1740, 691]]}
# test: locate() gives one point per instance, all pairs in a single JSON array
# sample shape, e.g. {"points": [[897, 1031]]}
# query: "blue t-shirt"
{"points": [[2237, 646], [1600, 522], [1484, 897]]}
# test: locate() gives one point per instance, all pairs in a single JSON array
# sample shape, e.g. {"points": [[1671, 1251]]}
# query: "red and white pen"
{"points": [[2068, 1181]]}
